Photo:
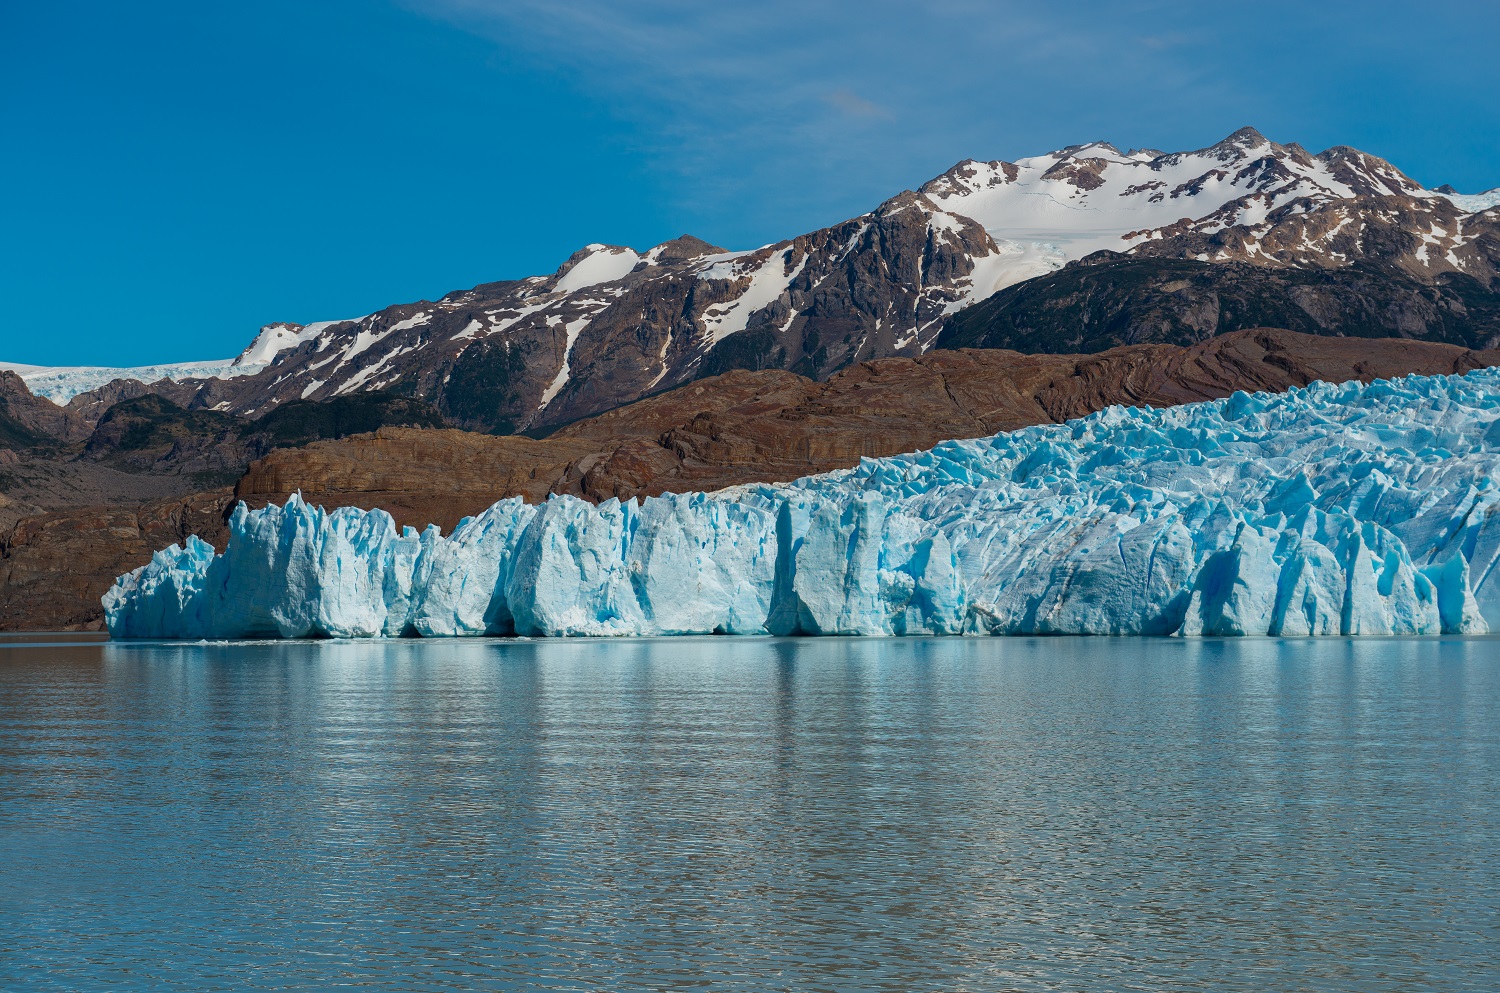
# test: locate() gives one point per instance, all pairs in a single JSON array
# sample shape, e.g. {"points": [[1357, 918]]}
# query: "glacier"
{"points": [[1334, 509], [62, 383]]}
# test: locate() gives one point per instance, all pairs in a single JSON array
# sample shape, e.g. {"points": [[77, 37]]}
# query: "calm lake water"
{"points": [[748, 814]]}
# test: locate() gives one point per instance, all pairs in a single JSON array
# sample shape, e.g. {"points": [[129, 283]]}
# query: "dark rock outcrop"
{"points": [[56, 566], [28, 421], [148, 448], [1109, 299]]}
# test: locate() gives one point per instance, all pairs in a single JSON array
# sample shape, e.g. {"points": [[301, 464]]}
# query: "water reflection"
{"points": [[732, 814]]}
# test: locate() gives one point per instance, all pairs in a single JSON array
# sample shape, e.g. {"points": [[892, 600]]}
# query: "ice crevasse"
{"points": [[1332, 509]]}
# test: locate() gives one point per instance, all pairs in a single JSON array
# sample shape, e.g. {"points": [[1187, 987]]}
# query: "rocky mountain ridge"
{"points": [[1109, 299], [612, 324], [773, 426]]}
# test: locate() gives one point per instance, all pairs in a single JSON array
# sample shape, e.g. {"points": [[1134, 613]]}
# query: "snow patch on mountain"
{"points": [[414, 321], [272, 340], [769, 279], [1091, 197], [571, 331], [471, 330], [602, 264]]}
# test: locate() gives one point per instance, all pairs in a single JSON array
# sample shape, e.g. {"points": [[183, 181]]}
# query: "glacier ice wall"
{"points": [[1333, 509]]}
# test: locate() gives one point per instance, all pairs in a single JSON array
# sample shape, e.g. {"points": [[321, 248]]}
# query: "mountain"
{"points": [[27, 421], [612, 325], [133, 445], [736, 428]]}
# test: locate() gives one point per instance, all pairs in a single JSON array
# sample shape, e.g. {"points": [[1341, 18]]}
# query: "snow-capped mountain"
{"points": [[1246, 199], [613, 324]]}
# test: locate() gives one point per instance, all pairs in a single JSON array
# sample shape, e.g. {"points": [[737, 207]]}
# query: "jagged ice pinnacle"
{"points": [[1333, 509]]}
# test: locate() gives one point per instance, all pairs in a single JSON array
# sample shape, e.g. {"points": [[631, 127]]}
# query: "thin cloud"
{"points": [[828, 107], [791, 68], [851, 104], [1162, 42]]}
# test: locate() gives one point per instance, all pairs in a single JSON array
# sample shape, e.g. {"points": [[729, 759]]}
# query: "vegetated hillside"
{"points": [[613, 325], [15, 433], [1109, 299]]}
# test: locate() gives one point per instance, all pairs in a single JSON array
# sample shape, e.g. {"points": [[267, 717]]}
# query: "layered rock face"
{"points": [[420, 477], [773, 426], [53, 567], [1328, 510], [613, 325]]}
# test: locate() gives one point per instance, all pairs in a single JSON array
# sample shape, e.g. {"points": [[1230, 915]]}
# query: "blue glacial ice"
{"points": [[1334, 509]]}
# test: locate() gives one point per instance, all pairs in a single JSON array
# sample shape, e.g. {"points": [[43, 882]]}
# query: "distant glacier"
{"points": [[1329, 510]]}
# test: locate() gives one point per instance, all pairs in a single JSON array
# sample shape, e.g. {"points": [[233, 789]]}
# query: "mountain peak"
{"points": [[588, 251], [272, 340], [684, 247], [1245, 137], [1082, 151], [1336, 152]]}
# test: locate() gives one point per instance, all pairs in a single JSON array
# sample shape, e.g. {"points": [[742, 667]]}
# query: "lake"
{"points": [[751, 814]]}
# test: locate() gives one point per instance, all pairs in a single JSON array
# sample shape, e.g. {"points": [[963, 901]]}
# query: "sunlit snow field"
{"points": [[733, 814]]}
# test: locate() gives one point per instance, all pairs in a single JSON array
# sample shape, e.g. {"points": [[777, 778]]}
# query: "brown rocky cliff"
{"points": [[45, 422], [55, 567], [421, 476]]}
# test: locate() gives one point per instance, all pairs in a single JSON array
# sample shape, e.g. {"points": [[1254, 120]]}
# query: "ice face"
{"points": [[1333, 509]]}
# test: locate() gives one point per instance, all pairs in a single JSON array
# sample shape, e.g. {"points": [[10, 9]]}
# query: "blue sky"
{"points": [[177, 174]]}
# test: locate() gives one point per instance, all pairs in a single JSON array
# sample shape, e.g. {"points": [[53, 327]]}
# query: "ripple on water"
{"points": [[751, 814]]}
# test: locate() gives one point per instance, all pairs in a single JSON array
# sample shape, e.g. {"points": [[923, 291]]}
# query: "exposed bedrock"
{"points": [[54, 567], [1108, 300]]}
